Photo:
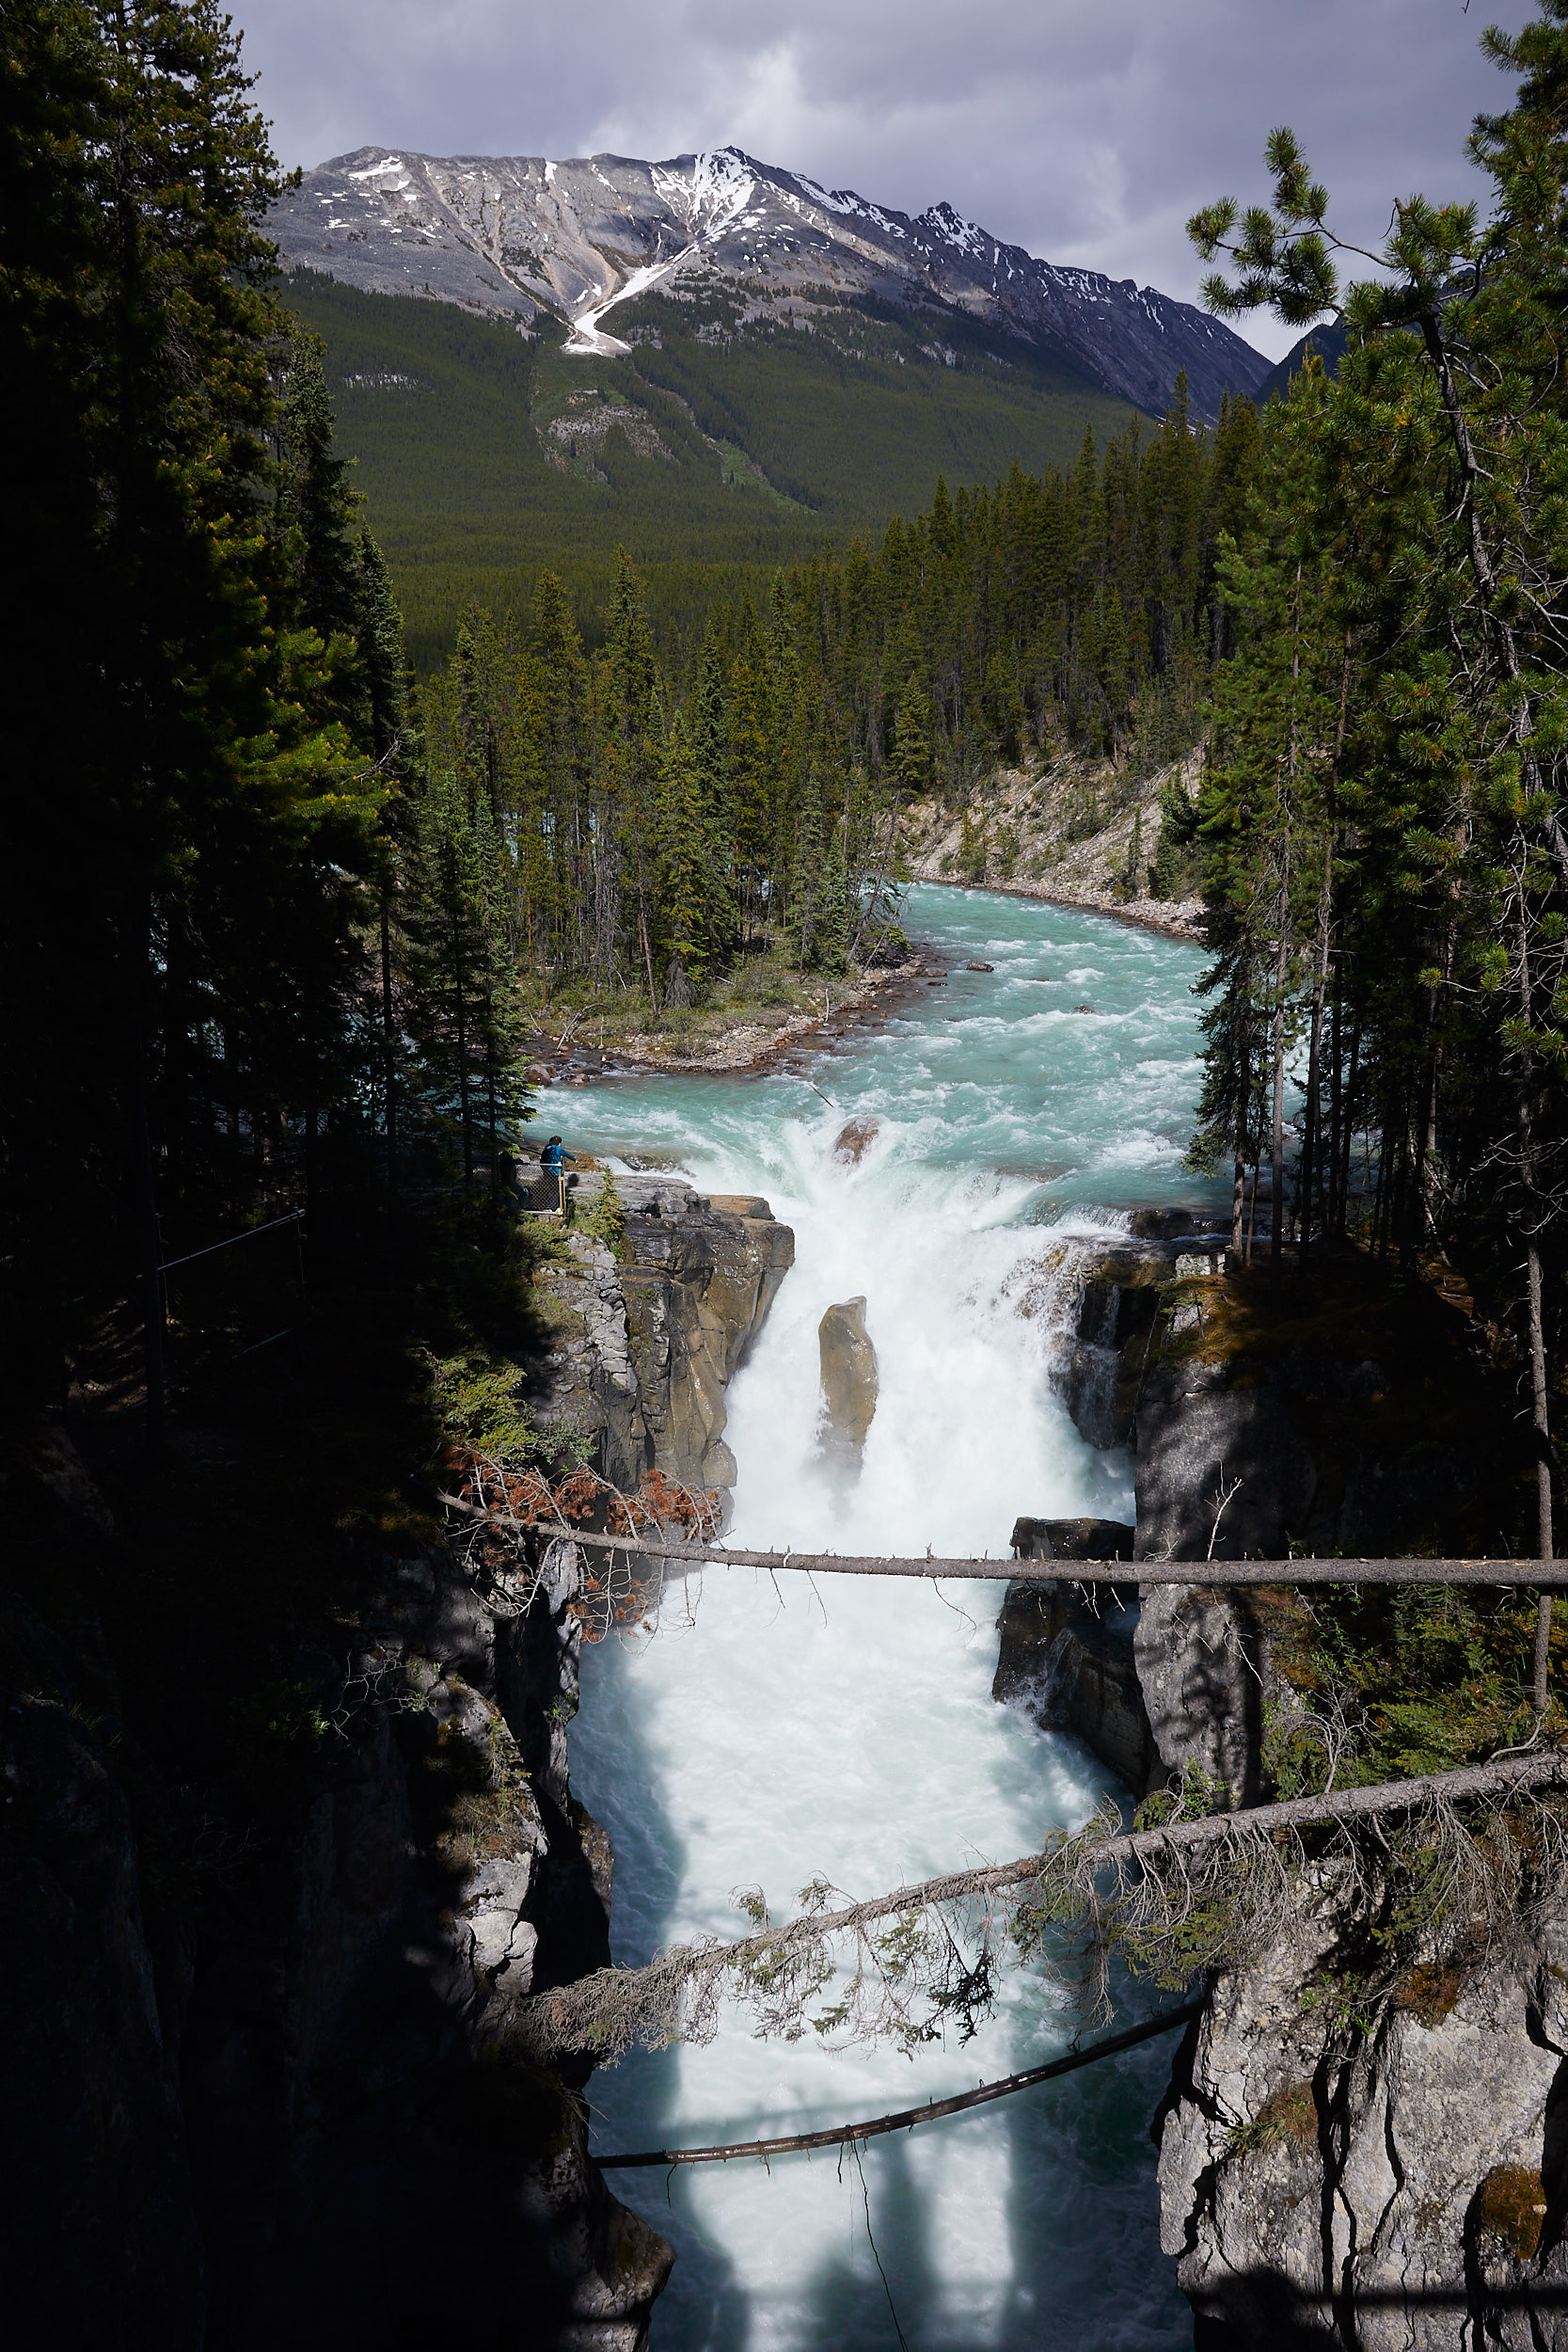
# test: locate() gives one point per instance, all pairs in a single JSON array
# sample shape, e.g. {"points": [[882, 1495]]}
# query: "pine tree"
{"points": [[316, 511], [807, 880], [175, 716], [747, 761], [832, 933], [634, 724], [681, 922], [449, 966]]}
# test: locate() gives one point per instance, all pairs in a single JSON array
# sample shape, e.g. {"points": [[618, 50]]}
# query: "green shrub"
{"points": [[605, 1215]]}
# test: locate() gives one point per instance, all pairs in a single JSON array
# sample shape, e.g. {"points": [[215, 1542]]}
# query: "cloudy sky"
{"points": [[1084, 129]]}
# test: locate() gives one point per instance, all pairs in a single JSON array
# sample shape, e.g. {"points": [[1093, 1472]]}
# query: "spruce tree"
{"points": [[832, 932], [682, 918]]}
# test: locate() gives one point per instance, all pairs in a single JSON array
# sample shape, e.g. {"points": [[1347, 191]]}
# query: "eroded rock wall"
{"points": [[1065, 1653], [646, 1346], [1399, 2188], [264, 2078]]}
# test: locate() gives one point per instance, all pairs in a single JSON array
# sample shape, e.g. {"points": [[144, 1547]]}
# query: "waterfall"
{"points": [[777, 1730]]}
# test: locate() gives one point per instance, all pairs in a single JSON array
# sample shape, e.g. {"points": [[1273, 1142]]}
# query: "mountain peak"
{"points": [[533, 237]]}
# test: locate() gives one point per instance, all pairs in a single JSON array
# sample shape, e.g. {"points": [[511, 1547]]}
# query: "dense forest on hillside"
{"points": [[716, 449], [649, 830]]}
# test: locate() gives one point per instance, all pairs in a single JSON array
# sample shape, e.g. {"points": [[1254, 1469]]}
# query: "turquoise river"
{"points": [[771, 1732]]}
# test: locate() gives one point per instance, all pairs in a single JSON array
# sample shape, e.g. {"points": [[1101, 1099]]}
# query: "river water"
{"points": [[772, 1734]]}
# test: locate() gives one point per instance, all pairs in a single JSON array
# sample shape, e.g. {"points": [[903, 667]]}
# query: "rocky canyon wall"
{"points": [[265, 2078], [1365, 2142]]}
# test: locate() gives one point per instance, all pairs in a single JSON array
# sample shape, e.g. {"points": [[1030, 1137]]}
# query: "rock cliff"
{"points": [[1357, 2150], [1067, 1654], [263, 2074], [1070, 828], [646, 1346], [1399, 2185], [266, 2080]]}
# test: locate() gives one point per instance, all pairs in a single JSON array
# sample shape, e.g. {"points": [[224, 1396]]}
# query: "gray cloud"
{"points": [[1086, 133]]}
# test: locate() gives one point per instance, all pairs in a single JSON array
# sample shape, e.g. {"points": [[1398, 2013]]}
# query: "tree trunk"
{"points": [[647, 951], [1540, 1407], [462, 1064], [1347, 1134], [1543, 1468], [1310, 1153]]}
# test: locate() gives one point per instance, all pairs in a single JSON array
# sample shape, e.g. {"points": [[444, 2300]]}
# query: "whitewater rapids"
{"points": [[776, 1731]]}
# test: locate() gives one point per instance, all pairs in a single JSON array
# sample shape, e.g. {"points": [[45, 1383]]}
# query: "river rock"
{"points": [[977, 966], [849, 1382], [1066, 1655], [1073, 1539], [853, 1139], [1066, 1658]]}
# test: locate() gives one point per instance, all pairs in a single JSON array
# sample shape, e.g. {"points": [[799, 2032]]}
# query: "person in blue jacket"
{"points": [[553, 1161]]}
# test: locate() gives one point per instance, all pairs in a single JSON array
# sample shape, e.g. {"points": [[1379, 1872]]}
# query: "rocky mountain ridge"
{"points": [[577, 240]]}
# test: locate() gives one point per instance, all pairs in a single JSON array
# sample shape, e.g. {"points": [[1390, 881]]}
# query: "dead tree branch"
{"points": [[1172, 1899]]}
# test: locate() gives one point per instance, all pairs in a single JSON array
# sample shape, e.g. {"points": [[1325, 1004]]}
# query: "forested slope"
{"points": [[712, 453]]}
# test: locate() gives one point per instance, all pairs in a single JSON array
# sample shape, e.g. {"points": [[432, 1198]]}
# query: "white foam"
{"points": [[849, 1731]]}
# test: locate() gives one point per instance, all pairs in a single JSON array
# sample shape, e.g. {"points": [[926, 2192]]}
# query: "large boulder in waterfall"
{"points": [[853, 1138], [849, 1380]]}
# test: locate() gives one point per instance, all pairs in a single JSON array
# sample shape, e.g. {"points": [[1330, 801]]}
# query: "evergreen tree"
{"points": [[1442, 461], [682, 920], [832, 933], [176, 717]]}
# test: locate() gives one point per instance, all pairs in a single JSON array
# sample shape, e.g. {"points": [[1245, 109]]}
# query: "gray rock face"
{"points": [[590, 1383], [697, 1294], [304, 2110], [520, 235], [1407, 2195], [1065, 1652], [1072, 1540], [1223, 1470], [645, 1349], [1153, 1677], [102, 2239], [1252, 1455], [1101, 1293], [1202, 1677], [849, 1383], [1068, 1661]]}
